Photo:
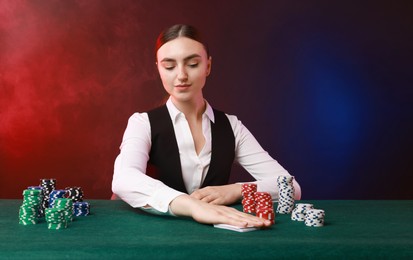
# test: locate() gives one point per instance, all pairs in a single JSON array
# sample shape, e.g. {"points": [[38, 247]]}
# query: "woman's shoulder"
{"points": [[139, 117], [233, 119], [145, 114]]}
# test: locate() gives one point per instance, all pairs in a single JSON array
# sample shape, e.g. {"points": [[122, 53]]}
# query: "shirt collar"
{"points": [[175, 113]]}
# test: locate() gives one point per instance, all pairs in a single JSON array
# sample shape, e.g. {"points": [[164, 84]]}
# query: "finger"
{"points": [[215, 201], [195, 195], [250, 219], [208, 199], [231, 218], [198, 194], [254, 223], [237, 223], [242, 221]]}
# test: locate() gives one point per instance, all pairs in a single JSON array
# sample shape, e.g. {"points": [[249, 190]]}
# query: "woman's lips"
{"points": [[182, 87]]}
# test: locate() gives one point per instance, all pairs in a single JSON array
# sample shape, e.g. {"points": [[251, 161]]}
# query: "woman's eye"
{"points": [[169, 67], [193, 65]]}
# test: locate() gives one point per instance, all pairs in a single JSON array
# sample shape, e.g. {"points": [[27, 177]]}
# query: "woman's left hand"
{"points": [[220, 195]]}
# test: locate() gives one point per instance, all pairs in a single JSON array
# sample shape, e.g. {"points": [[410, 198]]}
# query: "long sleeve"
{"points": [[130, 182], [254, 159]]}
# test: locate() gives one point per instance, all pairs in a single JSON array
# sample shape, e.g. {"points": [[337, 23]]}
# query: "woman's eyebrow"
{"points": [[185, 59], [190, 57]]}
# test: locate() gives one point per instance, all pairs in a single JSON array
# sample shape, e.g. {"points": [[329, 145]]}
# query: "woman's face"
{"points": [[183, 66]]}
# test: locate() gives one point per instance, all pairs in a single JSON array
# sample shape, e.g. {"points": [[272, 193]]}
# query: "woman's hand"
{"points": [[207, 213], [220, 195]]}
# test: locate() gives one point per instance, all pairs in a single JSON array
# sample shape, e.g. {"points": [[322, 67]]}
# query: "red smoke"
{"points": [[67, 71]]}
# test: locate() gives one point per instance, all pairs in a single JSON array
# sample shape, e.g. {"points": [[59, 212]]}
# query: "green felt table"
{"points": [[114, 230]]}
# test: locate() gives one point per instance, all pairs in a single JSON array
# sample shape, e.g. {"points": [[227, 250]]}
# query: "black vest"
{"points": [[164, 161]]}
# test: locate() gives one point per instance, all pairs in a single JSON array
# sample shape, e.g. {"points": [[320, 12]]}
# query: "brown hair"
{"points": [[179, 30]]}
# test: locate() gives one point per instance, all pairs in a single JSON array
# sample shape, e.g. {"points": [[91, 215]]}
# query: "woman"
{"points": [[191, 145]]}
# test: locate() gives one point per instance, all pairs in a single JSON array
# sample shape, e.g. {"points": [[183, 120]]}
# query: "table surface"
{"points": [[353, 229]]}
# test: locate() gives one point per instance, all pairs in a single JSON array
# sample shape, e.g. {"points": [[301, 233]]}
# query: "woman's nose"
{"points": [[182, 74]]}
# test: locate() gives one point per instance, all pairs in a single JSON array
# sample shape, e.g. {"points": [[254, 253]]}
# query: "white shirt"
{"points": [[132, 185]]}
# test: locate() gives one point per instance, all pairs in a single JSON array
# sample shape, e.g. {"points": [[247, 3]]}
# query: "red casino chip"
{"points": [[249, 187], [268, 214], [249, 209], [262, 195], [248, 201]]}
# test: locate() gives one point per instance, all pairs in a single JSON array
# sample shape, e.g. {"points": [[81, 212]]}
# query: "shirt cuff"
{"points": [[161, 199]]}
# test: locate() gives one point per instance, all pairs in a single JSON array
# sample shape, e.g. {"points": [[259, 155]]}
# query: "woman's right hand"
{"points": [[207, 213]]}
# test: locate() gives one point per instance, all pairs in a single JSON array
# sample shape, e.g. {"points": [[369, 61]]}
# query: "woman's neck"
{"points": [[192, 109]]}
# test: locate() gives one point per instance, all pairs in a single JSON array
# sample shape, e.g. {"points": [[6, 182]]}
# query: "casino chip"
{"points": [[57, 207], [56, 194], [81, 209], [300, 210], [56, 218], [258, 203], [247, 192], [29, 212], [41, 208], [306, 212], [266, 213], [314, 218], [67, 205], [74, 193], [286, 194], [263, 206], [47, 185]]}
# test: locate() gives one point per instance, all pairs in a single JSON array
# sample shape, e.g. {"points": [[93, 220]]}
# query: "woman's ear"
{"points": [[209, 66]]}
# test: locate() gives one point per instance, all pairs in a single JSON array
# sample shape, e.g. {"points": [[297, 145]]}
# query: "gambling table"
{"points": [[114, 230]]}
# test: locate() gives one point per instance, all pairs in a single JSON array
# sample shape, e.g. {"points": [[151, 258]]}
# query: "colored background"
{"points": [[325, 87]]}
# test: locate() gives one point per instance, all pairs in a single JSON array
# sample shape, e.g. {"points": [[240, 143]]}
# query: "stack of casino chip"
{"points": [[29, 210], [41, 208], [314, 218], [56, 194], [81, 209], [248, 201], [55, 218], [67, 205], [300, 210], [264, 206], [48, 185], [74, 193], [286, 194]]}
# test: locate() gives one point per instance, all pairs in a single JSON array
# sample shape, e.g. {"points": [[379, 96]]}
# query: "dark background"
{"points": [[325, 87]]}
